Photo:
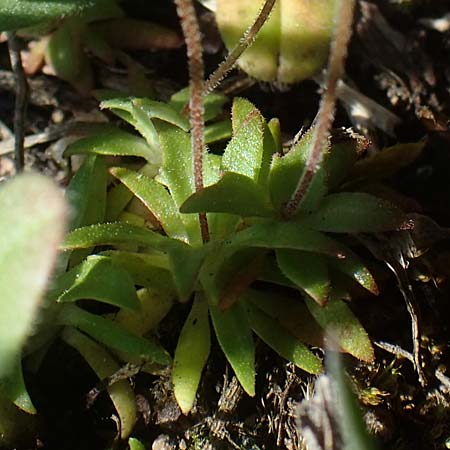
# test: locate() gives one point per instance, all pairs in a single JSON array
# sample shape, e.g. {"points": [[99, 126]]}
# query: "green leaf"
{"points": [[286, 171], [290, 235], [191, 354], [235, 338], [114, 142], [308, 271], [213, 103], [356, 212], [244, 152], [177, 172], [15, 14], [234, 194], [31, 231], [135, 444], [104, 366], [218, 131], [97, 278], [156, 198], [338, 319], [284, 343], [339, 161], [113, 335]]}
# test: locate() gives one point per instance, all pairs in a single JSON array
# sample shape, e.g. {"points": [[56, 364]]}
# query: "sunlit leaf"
{"points": [[244, 152], [338, 319], [31, 231], [356, 212], [191, 354], [113, 335], [234, 194], [235, 338], [308, 271], [99, 279], [103, 364], [284, 343]]}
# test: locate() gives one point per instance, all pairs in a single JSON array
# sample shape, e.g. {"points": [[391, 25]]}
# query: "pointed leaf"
{"points": [[308, 271], [191, 354], [156, 198], [233, 194], [113, 335], [356, 212], [337, 318], [104, 366], [288, 235], [235, 338], [97, 278], [30, 234], [284, 343], [244, 153], [114, 142]]}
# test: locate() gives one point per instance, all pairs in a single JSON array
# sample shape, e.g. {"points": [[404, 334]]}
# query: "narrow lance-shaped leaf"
{"points": [[103, 364], [235, 338], [308, 271], [191, 354], [284, 343], [337, 318], [29, 238], [234, 194], [356, 212]]}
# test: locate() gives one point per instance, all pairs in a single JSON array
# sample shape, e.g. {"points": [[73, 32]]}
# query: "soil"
{"points": [[400, 58]]}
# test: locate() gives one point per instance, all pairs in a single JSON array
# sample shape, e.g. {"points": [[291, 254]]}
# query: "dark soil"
{"points": [[400, 58]]}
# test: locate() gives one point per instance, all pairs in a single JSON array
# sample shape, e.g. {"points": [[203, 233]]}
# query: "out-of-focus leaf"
{"points": [[290, 235], [15, 14], [191, 354], [218, 131], [284, 343], [235, 338], [103, 364], [338, 319], [213, 103], [135, 444], [156, 198], [308, 271], [356, 212], [177, 172], [31, 231], [244, 152], [339, 161], [99, 279], [234, 194], [113, 335], [114, 142]]}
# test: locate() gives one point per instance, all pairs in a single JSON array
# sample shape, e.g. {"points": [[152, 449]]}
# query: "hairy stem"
{"points": [[246, 41], [336, 60], [20, 108], [192, 37]]}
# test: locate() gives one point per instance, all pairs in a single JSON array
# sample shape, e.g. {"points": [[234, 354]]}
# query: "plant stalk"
{"points": [[192, 36], [341, 36]]}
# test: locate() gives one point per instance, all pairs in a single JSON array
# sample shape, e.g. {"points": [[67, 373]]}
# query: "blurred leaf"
{"points": [[338, 319], [308, 271], [135, 444], [284, 343], [97, 278], [234, 194], [113, 335], [30, 234], [113, 142], [339, 162], [356, 212], [213, 103], [235, 338], [290, 235], [191, 354], [104, 366], [244, 152], [15, 14], [218, 131], [156, 198]]}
